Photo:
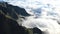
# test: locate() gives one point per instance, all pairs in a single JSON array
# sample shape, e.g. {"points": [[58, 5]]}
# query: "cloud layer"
{"points": [[46, 11]]}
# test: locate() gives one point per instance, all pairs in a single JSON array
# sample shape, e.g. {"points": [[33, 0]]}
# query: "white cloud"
{"points": [[50, 14]]}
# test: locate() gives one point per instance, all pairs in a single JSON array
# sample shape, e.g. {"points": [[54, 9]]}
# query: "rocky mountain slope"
{"points": [[8, 16]]}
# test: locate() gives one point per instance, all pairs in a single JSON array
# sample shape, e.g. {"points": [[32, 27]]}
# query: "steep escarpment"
{"points": [[12, 11], [9, 26], [8, 16]]}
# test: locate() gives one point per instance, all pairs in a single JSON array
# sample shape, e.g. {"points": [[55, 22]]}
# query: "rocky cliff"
{"points": [[8, 16]]}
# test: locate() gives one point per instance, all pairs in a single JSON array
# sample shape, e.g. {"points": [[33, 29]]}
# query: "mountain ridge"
{"points": [[8, 16]]}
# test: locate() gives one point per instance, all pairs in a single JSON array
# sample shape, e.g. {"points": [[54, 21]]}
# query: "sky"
{"points": [[1, 0], [47, 11]]}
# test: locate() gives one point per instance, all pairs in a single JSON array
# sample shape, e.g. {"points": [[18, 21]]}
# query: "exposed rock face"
{"points": [[13, 11], [37, 31], [9, 26], [8, 16]]}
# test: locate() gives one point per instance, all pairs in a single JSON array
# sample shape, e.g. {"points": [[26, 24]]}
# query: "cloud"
{"points": [[48, 18]]}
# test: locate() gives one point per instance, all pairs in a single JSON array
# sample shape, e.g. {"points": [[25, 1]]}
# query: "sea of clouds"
{"points": [[45, 14]]}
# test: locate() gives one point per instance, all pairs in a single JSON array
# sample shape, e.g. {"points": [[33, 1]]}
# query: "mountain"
{"points": [[9, 26], [8, 16], [13, 11]]}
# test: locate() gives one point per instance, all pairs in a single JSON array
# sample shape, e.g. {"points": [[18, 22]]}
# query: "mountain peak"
{"points": [[12, 11]]}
